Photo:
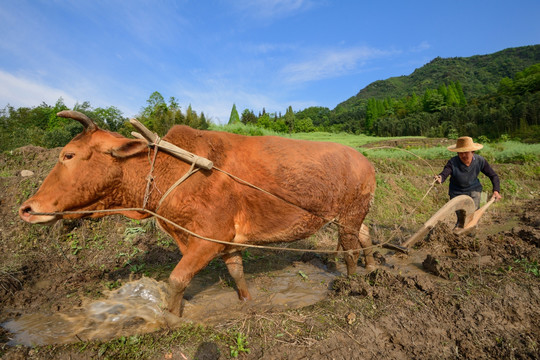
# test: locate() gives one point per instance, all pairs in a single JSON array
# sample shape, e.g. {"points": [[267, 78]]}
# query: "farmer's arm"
{"points": [[492, 175], [447, 170]]}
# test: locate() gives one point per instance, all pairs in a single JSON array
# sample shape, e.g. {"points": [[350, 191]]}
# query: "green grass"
{"points": [[242, 129], [351, 140], [509, 152], [502, 152]]}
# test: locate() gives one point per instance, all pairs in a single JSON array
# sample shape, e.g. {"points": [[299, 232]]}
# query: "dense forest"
{"points": [[492, 96]]}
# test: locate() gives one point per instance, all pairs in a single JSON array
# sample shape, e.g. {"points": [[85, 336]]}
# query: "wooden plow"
{"points": [[461, 202]]}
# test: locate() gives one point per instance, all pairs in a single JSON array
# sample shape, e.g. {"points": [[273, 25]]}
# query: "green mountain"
{"points": [[478, 75]]}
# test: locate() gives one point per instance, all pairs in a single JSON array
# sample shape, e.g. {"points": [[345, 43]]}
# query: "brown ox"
{"points": [[102, 170]]}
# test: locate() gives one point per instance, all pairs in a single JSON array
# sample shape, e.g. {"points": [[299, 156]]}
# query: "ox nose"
{"points": [[25, 211], [28, 211]]}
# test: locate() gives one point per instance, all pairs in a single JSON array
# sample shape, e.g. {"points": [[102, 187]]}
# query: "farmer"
{"points": [[464, 169]]}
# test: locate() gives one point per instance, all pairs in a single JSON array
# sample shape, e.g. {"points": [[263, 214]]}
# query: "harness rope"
{"points": [[192, 170], [150, 176]]}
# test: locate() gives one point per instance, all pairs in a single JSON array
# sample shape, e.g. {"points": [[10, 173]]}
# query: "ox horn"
{"points": [[80, 117]]}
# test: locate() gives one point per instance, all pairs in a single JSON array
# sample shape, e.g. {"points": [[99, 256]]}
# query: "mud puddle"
{"points": [[138, 306]]}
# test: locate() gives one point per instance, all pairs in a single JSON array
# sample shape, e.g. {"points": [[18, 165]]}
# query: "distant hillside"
{"points": [[479, 75]]}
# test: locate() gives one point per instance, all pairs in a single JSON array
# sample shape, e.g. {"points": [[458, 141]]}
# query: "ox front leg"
{"points": [[194, 260], [236, 269]]}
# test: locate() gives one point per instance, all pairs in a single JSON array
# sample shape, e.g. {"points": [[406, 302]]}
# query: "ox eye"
{"points": [[68, 156]]}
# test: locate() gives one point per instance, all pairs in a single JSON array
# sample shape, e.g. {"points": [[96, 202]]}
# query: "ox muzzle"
{"points": [[30, 212]]}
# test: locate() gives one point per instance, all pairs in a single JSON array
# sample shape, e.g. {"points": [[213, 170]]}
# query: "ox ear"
{"points": [[129, 148]]}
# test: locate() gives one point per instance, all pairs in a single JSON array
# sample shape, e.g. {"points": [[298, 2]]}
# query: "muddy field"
{"points": [[473, 296]]}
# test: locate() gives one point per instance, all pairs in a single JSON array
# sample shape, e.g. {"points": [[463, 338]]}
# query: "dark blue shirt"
{"points": [[464, 179]]}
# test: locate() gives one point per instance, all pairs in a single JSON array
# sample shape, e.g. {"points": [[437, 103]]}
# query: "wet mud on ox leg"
{"points": [[350, 239], [236, 269], [195, 257], [367, 245]]}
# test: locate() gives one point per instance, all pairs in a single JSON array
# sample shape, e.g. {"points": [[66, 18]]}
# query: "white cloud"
{"points": [[330, 64], [267, 48], [424, 45], [217, 103], [20, 91], [272, 8], [215, 96]]}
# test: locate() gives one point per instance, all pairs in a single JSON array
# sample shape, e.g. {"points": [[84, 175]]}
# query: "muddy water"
{"points": [[137, 307], [133, 308]]}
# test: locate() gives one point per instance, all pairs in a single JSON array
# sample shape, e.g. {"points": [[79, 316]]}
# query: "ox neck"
{"points": [[134, 182], [137, 170], [168, 174]]}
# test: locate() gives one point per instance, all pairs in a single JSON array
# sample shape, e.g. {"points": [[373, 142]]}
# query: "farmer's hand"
{"points": [[438, 179], [496, 196]]}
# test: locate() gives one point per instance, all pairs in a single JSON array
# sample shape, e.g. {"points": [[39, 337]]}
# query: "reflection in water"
{"points": [[138, 307]]}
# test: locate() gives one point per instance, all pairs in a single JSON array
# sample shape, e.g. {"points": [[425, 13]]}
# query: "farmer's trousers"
{"points": [[461, 214]]}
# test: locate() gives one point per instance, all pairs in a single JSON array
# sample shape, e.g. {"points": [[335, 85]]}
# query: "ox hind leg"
{"points": [[352, 240], [236, 269]]}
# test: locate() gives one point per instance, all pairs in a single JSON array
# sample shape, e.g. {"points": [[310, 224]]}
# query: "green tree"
{"points": [[56, 122], [304, 125], [451, 95], [154, 115], [462, 101], [203, 123], [248, 117], [289, 119], [111, 118], [192, 119], [234, 118], [264, 121], [433, 101]]}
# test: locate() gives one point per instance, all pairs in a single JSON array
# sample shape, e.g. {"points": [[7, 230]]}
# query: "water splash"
{"points": [[136, 307], [139, 307]]}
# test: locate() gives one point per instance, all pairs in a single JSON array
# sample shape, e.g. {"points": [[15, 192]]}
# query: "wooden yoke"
{"points": [[172, 149]]}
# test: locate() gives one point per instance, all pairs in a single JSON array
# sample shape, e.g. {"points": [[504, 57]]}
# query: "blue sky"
{"points": [[254, 53]]}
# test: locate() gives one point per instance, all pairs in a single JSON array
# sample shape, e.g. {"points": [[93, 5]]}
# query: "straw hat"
{"points": [[464, 144]]}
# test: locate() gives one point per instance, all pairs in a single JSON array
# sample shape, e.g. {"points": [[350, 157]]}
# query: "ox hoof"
{"points": [[243, 295], [370, 268], [176, 309], [176, 312]]}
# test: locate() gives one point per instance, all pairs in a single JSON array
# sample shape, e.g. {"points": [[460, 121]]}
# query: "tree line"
{"points": [[511, 110], [40, 126]]}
